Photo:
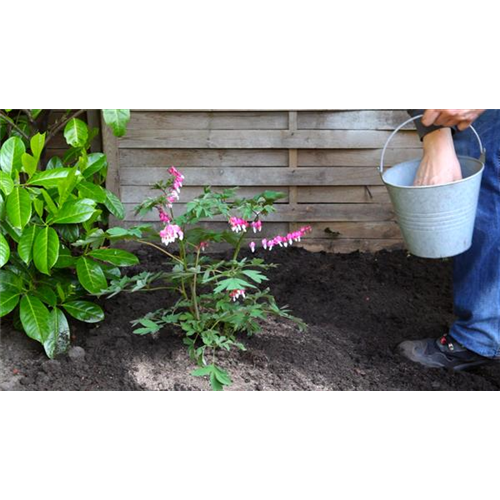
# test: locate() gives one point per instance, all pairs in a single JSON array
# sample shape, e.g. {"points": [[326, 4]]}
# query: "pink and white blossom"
{"points": [[285, 241], [236, 294], [171, 233], [252, 246], [257, 226], [164, 217], [238, 225], [203, 246], [173, 195]]}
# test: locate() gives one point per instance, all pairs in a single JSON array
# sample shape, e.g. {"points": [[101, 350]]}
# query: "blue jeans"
{"points": [[476, 273]]}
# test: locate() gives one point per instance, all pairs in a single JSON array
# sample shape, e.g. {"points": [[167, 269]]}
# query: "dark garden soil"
{"points": [[358, 308]]}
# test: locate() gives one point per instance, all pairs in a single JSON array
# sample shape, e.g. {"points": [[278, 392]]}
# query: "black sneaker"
{"points": [[441, 353]]}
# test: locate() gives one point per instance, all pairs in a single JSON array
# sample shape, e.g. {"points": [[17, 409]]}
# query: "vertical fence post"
{"points": [[110, 149], [293, 164]]}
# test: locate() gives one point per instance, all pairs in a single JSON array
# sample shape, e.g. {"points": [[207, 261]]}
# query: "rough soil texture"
{"points": [[358, 308]]}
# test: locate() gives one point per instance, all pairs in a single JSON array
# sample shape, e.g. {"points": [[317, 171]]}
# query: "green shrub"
{"points": [[53, 217]]}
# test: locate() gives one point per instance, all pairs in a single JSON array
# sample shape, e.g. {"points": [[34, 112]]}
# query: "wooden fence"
{"points": [[324, 161]]}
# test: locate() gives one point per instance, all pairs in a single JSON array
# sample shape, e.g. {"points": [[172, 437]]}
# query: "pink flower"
{"points": [[173, 194], [178, 176], [284, 241], [164, 217], [252, 246], [203, 245], [171, 233], [236, 294], [238, 225], [257, 226]]}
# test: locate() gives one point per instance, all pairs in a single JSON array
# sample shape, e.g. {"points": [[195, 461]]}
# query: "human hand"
{"points": [[439, 164], [462, 118]]}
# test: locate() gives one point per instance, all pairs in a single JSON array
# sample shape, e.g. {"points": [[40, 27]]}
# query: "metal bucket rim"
{"points": [[479, 172]]}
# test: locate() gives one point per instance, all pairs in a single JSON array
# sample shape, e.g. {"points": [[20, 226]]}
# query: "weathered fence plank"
{"points": [[325, 161]]}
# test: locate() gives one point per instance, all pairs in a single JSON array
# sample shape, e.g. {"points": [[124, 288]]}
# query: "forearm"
{"points": [[439, 164]]}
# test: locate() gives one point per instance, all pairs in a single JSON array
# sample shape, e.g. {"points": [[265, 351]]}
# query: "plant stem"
{"points": [[161, 250], [193, 287], [182, 251], [61, 124], [183, 291], [238, 246], [27, 112], [155, 289], [12, 123]]}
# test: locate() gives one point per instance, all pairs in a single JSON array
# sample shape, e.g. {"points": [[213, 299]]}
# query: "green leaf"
{"points": [[149, 327], [90, 224], [91, 276], [230, 284], [69, 232], [10, 282], [30, 164], [61, 292], [6, 183], [37, 143], [116, 233], [95, 162], [19, 207], [46, 294], [8, 301], [117, 120], [34, 318], [25, 245], [65, 258], [256, 276], [4, 251], [12, 231], [46, 249], [54, 162], [76, 133], [270, 196], [215, 383], [39, 206], [49, 202], [3, 129], [222, 376], [49, 178], [115, 256], [202, 372], [84, 311], [111, 272], [92, 191], [114, 205], [58, 340], [66, 187], [74, 212], [11, 155]]}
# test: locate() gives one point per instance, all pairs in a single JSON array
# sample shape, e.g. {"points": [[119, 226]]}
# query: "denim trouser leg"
{"points": [[476, 273]]}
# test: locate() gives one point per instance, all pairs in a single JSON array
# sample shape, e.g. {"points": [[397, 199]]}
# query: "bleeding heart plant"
{"points": [[217, 299]]}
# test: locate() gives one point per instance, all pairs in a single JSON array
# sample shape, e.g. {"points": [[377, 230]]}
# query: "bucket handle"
{"points": [[381, 168]]}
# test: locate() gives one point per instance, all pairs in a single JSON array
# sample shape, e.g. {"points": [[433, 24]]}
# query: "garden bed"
{"points": [[358, 308]]}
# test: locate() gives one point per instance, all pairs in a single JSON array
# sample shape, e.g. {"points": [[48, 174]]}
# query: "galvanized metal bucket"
{"points": [[436, 221]]}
